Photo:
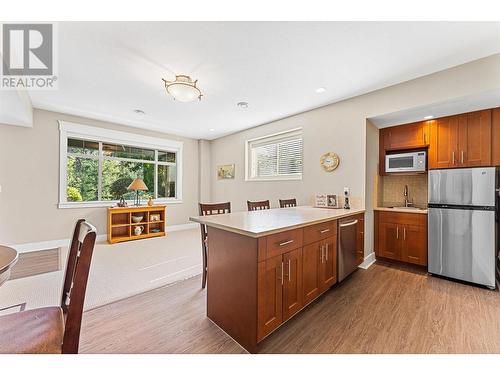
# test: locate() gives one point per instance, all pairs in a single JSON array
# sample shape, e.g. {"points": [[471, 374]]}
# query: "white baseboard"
{"points": [[44, 245], [369, 260]]}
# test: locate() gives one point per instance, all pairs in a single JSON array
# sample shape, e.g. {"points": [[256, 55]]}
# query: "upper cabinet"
{"points": [[401, 137], [495, 135], [407, 136], [461, 141]]}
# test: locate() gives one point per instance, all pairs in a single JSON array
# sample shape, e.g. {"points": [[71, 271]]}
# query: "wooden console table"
{"points": [[121, 226]]}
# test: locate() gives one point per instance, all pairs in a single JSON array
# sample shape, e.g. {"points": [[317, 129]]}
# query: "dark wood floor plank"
{"points": [[385, 309]]}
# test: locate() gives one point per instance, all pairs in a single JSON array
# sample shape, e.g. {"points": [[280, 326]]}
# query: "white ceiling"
{"points": [[469, 103], [108, 69]]}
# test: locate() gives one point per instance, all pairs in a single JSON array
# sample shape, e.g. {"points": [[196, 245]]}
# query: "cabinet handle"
{"points": [[453, 158], [397, 233], [289, 270], [404, 233], [462, 156], [326, 252], [285, 243], [324, 231], [322, 253], [424, 139], [282, 273]]}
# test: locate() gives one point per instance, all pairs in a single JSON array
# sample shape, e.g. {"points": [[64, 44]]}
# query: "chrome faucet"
{"points": [[407, 201]]}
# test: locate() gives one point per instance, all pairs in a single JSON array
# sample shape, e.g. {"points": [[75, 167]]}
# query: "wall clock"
{"points": [[329, 161]]}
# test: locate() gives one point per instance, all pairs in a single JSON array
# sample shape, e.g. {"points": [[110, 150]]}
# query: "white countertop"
{"points": [[401, 209], [264, 222]]}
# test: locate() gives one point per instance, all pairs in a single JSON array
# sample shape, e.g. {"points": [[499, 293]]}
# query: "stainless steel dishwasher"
{"points": [[347, 247]]}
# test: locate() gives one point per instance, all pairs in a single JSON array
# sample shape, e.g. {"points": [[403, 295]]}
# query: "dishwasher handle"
{"points": [[348, 224]]}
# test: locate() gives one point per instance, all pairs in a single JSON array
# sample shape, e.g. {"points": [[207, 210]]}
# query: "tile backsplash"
{"points": [[393, 187]]}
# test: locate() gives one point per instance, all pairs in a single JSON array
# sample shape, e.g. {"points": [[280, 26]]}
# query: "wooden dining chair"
{"points": [[205, 210], [284, 203], [258, 205], [54, 329]]}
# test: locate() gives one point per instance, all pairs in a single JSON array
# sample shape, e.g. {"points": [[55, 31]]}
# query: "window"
{"points": [[97, 166], [275, 157]]}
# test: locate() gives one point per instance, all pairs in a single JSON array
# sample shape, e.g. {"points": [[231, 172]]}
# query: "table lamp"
{"points": [[136, 186]]}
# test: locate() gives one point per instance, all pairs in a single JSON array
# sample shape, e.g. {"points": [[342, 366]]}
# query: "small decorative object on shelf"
{"points": [[154, 217], [150, 201], [138, 230], [137, 219], [122, 202], [329, 161]]}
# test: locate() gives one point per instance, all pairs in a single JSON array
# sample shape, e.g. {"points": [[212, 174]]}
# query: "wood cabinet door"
{"points": [[292, 284], [443, 150], [495, 136], [414, 245], [310, 271], [474, 140], [406, 136], [270, 298], [390, 240], [328, 263]]}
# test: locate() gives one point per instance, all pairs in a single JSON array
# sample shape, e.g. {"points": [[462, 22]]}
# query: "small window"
{"points": [[275, 157]]}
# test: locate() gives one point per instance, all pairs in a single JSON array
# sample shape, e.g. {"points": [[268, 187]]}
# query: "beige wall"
{"points": [[372, 182], [341, 127], [29, 175]]}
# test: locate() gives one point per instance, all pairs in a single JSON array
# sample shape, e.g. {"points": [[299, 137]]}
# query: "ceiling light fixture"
{"points": [[212, 130], [139, 111], [183, 89], [242, 104], [428, 117], [320, 90]]}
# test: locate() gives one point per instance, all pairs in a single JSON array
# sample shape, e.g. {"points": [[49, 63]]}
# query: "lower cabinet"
{"points": [[294, 268], [402, 237]]}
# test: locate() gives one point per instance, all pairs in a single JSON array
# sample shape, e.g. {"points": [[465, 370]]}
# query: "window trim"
{"points": [[73, 130], [269, 138]]}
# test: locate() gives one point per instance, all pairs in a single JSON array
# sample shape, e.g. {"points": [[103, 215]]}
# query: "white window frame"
{"points": [[91, 133], [266, 138]]}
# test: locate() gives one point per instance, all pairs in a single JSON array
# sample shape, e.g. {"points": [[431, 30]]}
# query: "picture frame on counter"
{"points": [[326, 201]]}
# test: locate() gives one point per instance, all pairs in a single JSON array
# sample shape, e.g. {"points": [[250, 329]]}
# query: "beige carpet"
{"points": [[118, 271]]}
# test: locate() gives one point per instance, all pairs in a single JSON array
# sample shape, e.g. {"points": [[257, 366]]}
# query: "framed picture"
{"points": [[332, 200], [321, 200], [225, 172]]}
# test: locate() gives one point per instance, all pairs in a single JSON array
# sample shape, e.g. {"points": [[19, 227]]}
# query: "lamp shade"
{"points": [[137, 184]]}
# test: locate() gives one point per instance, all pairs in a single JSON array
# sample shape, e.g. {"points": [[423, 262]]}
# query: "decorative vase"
{"points": [[150, 201], [138, 230]]}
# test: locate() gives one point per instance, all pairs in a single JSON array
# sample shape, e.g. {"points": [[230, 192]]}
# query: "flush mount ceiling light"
{"points": [[320, 90], [183, 89], [428, 117], [242, 104], [139, 111]]}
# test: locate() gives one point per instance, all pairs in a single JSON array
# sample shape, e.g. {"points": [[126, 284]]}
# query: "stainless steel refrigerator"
{"points": [[463, 211]]}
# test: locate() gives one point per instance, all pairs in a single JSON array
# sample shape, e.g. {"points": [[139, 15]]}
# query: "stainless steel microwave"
{"points": [[406, 162]]}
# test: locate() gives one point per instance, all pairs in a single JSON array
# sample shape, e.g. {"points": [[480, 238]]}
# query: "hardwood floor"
{"points": [[385, 309]]}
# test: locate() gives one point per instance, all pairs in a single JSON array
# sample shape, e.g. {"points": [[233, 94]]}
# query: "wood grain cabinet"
{"points": [[495, 137], [461, 141], [401, 236], [408, 136], [291, 280]]}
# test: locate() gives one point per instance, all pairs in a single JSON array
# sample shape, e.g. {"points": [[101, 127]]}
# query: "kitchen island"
{"points": [[265, 266]]}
